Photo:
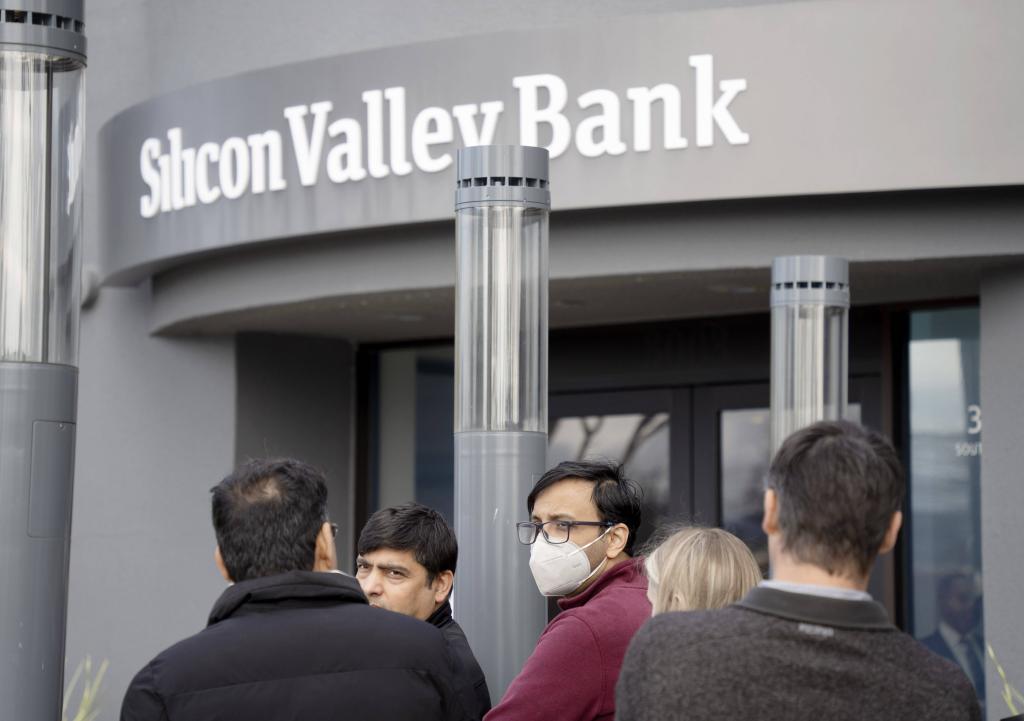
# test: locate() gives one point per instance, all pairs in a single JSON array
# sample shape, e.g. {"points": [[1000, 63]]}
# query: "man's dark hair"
{"points": [[618, 499], [838, 486], [266, 515], [412, 527]]}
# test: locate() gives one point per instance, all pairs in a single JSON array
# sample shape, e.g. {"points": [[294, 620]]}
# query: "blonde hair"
{"points": [[700, 568]]}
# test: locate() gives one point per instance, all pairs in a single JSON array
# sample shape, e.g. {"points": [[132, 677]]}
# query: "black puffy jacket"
{"points": [[470, 683], [303, 646]]}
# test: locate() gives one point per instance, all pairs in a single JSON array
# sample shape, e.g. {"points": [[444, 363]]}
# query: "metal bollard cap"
{"points": [[51, 27], [502, 175], [800, 279]]}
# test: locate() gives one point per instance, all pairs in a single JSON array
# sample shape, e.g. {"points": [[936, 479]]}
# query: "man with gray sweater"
{"points": [[810, 643]]}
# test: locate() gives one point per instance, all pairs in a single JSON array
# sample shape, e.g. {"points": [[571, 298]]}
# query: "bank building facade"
{"points": [[269, 268]]}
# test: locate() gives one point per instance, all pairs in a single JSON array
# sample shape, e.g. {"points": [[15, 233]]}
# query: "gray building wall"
{"points": [[1002, 497], [155, 431], [617, 265]]}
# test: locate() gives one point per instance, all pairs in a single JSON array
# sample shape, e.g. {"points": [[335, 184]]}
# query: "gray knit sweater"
{"points": [[787, 656]]}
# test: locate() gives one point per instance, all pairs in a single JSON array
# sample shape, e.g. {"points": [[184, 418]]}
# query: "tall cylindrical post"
{"points": [[810, 328], [42, 64], [502, 202]]}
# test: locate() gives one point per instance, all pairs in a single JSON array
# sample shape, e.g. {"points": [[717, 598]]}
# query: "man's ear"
{"points": [[770, 521], [219, 562], [325, 556], [442, 586], [891, 533], [618, 537]]}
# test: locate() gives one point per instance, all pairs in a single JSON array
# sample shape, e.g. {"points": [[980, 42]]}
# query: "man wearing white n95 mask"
{"points": [[582, 529]]}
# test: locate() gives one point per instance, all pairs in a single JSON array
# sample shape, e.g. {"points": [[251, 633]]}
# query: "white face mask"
{"points": [[561, 568]]}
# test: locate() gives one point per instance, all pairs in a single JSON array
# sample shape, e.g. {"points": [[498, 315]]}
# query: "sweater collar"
{"points": [[817, 610], [624, 573], [292, 589]]}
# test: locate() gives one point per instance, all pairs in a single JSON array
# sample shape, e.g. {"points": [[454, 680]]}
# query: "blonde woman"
{"points": [[699, 568]]}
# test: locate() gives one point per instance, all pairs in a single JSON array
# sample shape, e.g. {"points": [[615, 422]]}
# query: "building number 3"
{"points": [[973, 419]]}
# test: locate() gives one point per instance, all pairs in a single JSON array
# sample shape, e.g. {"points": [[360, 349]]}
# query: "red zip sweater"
{"points": [[571, 674]]}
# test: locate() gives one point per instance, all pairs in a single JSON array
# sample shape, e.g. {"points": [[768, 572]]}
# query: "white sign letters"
{"points": [[382, 141]]}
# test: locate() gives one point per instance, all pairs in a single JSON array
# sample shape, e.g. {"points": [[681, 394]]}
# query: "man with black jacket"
{"points": [[406, 563], [289, 638]]}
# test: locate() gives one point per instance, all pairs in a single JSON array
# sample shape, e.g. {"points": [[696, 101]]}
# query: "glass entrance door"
{"points": [[731, 452]]}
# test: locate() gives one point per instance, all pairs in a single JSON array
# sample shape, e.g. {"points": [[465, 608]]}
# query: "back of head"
{"points": [[415, 528], [838, 486], [617, 498], [266, 515], [700, 568]]}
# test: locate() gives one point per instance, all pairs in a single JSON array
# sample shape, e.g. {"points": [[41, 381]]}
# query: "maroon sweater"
{"points": [[571, 674]]}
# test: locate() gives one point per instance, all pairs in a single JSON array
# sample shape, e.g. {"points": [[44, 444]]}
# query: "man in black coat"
{"points": [[290, 639], [809, 644], [406, 563]]}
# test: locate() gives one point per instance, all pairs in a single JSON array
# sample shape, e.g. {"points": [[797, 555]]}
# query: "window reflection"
{"points": [[945, 484]]}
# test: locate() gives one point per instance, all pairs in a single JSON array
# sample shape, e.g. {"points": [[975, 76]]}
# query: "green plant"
{"points": [[87, 707], [1010, 695]]}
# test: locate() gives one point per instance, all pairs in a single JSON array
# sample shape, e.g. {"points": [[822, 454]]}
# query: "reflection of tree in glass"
{"points": [[648, 427], [591, 425]]}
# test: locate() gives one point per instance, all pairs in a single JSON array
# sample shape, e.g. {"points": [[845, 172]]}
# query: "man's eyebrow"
{"points": [[393, 567], [554, 517]]}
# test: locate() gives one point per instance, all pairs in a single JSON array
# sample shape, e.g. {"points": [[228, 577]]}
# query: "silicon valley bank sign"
{"points": [[651, 109], [380, 142]]}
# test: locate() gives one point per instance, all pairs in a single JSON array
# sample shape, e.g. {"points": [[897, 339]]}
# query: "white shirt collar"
{"points": [[811, 589], [953, 639]]}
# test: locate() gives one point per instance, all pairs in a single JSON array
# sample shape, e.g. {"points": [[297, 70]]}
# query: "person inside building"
{"points": [[582, 530], [406, 563], [289, 638], [699, 568], [956, 636], [810, 643]]}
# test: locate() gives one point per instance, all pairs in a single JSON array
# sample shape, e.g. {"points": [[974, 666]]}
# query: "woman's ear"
{"points": [[679, 602]]}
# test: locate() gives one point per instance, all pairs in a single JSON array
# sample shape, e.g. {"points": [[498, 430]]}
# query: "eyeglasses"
{"points": [[555, 532]]}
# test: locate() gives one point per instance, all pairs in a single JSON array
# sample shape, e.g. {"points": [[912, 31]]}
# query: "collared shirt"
{"points": [[812, 589], [955, 641]]}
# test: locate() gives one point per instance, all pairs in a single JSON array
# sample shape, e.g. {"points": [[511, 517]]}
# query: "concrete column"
{"points": [[1002, 496]]}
